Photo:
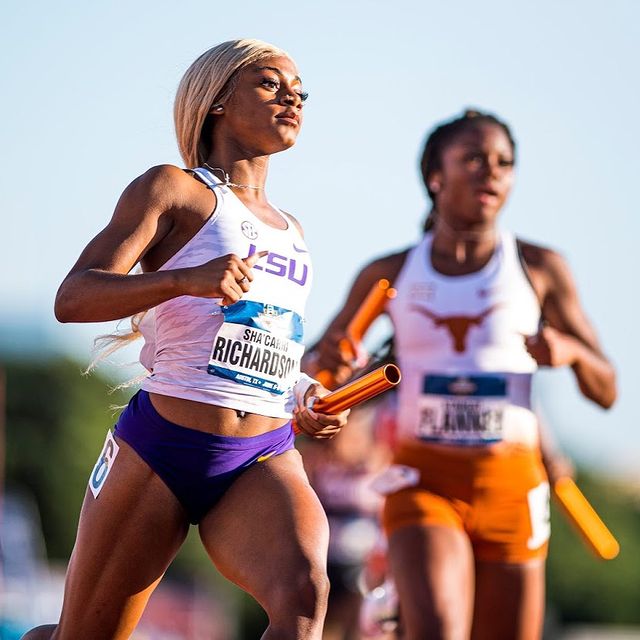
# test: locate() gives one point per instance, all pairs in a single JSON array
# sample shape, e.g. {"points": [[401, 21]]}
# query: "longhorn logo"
{"points": [[458, 326]]}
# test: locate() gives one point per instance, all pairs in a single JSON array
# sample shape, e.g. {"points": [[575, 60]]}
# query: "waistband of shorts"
{"points": [[452, 459], [141, 404]]}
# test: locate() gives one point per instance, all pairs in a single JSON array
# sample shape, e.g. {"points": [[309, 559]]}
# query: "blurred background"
{"points": [[88, 91]]}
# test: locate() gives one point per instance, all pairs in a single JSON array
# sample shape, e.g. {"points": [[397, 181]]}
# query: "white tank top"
{"points": [[466, 374], [245, 356]]}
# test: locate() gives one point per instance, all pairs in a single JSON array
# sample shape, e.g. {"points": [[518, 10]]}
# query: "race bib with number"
{"points": [[103, 465], [258, 345], [462, 409], [539, 515]]}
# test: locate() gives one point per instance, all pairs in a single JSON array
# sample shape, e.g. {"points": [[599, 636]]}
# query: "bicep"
{"points": [[141, 219]]}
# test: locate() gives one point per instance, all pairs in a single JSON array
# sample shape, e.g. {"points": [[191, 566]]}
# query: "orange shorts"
{"points": [[499, 496]]}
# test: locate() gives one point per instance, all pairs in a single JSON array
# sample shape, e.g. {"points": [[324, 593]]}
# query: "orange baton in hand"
{"points": [[594, 532], [372, 306], [357, 391]]}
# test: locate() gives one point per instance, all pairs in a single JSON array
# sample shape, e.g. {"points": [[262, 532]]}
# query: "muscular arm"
{"points": [[99, 286], [569, 337]]}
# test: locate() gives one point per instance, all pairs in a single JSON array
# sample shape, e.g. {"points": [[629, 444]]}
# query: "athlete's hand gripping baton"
{"points": [[353, 393], [583, 516], [372, 306]]}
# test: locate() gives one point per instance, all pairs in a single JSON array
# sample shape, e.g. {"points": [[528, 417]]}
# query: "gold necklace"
{"points": [[227, 179]]}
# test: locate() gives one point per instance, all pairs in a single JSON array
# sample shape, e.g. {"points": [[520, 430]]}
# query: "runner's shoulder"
{"points": [[542, 258], [388, 266]]}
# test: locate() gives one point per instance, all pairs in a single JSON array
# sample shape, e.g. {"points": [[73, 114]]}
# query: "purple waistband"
{"points": [[197, 466]]}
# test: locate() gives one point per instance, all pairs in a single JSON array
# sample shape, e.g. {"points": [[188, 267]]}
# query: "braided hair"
{"points": [[442, 136]]}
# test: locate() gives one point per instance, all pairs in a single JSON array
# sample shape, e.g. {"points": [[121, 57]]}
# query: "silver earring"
{"points": [[217, 108]]}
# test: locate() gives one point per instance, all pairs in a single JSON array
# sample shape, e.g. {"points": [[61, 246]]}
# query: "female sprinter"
{"points": [[477, 311], [208, 439]]}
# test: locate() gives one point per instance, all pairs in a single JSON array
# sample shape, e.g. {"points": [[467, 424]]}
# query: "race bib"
{"points": [[462, 409], [103, 465], [258, 345], [539, 515]]}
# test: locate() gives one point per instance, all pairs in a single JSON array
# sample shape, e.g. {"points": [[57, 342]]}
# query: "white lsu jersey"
{"points": [[245, 356]]}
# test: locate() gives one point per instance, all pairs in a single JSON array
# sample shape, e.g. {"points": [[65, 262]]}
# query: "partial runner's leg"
{"points": [[127, 537], [269, 535], [509, 601], [433, 570]]}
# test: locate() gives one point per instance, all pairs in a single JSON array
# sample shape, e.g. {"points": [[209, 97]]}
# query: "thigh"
{"points": [[126, 538], [433, 570], [509, 601], [269, 529]]}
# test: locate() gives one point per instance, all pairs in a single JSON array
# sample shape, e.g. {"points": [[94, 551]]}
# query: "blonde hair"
{"points": [[107, 344], [211, 80]]}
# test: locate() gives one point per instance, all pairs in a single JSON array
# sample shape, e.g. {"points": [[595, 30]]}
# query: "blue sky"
{"points": [[87, 106]]}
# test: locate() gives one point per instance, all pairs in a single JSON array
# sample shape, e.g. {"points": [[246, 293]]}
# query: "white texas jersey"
{"points": [[459, 342], [245, 356]]}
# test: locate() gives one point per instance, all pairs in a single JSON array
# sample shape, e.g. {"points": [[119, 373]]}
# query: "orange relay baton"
{"points": [[583, 516], [370, 308], [364, 388]]}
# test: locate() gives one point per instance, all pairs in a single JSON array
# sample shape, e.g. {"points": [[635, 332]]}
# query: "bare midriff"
{"points": [[213, 419]]}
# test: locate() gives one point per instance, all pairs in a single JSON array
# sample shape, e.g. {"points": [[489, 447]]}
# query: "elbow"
{"points": [[64, 307], [599, 386], [604, 397], [608, 402], [609, 391], [61, 312], [610, 395]]}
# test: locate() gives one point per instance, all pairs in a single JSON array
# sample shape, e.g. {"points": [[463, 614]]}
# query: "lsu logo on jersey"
{"points": [[294, 269]]}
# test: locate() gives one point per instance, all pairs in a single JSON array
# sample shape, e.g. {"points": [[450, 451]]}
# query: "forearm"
{"points": [[99, 296], [595, 375]]}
